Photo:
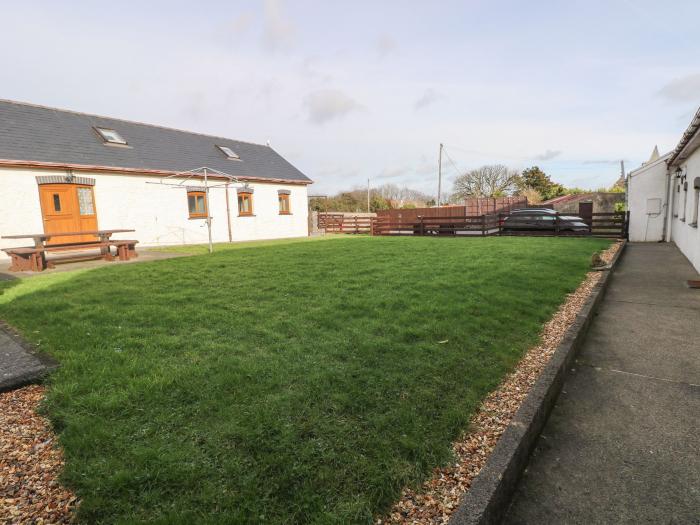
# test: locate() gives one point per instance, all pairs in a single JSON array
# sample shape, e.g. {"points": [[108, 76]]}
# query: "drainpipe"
{"points": [[669, 205], [228, 215]]}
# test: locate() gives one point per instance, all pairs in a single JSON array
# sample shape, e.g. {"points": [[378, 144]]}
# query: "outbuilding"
{"points": [[63, 171], [664, 196]]}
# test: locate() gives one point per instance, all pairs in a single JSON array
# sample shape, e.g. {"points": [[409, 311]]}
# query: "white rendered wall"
{"points": [[158, 213], [687, 237], [647, 182]]}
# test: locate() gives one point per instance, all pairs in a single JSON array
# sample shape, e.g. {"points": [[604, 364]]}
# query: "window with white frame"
{"points": [[674, 196], [110, 136], [685, 200], [696, 201], [230, 154]]}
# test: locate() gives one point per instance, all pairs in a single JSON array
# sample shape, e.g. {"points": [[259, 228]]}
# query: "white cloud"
{"points": [[328, 104], [392, 173], [385, 45], [279, 32], [683, 89], [428, 97], [548, 155]]}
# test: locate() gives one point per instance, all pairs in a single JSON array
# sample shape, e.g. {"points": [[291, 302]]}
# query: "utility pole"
{"points": [[368, 210], [439, 195]]}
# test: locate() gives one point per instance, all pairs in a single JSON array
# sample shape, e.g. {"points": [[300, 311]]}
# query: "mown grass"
{"points": [[200, 249], [290, 383]]}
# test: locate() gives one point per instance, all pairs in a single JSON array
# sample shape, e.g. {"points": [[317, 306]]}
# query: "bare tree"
{"points": [[487, 181], [401, 196]]}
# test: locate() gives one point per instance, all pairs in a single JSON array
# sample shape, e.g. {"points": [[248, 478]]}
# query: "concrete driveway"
{"points": [[623, 442]]}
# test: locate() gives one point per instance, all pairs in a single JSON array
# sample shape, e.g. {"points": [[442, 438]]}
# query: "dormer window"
{"points": [[110, 136], [230, 154]]}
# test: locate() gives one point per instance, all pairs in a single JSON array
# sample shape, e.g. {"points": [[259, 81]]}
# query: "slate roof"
{"points": [[678, 155], [40, 134]]}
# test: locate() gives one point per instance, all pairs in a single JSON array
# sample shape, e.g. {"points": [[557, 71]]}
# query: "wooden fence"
{"points": [[472, 207], [340, 223], [456, 225], [610, 225], [493, 205]]}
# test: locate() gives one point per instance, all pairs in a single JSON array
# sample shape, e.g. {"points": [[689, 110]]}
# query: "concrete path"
{"points": [[18, 364], [145, 255], [623, 442]]}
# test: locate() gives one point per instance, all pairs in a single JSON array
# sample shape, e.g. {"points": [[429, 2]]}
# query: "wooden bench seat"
{"points": [[26, 259], [126, 249], [30, 258]]}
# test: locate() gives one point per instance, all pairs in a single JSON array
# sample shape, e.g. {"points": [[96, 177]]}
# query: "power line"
{"points": [[458, 170]]}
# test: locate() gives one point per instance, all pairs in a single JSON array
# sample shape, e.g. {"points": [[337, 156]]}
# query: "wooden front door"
{"points": [[68, 208]]}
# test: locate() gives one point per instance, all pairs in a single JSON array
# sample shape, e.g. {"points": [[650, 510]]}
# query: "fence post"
{"points": [[356, 230], [371, 226], [422, 225], [556, 224], [483, 225]]}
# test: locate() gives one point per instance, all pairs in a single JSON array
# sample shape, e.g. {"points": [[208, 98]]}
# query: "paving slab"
{"points": [[19, 364], [622, 443]]}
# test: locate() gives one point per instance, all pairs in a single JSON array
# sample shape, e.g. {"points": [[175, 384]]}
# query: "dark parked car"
{"points": [[543, 219]]}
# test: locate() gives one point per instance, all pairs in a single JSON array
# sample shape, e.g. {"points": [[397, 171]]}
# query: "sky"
{"points": [[350, 91]]}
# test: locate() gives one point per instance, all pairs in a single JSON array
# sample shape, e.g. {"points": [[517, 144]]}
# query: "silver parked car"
{"points": [[543, 219]]}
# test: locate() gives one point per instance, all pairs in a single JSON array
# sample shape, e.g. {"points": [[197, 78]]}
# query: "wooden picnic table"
{"points": [[41, 238], [34, 258]]}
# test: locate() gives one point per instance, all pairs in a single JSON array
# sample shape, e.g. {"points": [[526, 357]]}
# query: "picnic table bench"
{"points": [[33, 258]]}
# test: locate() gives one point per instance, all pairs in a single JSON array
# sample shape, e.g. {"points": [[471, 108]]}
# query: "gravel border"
{"points": [[30, 463], [484, 454], [489, 496]]}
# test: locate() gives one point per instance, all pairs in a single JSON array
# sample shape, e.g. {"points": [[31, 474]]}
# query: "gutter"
{"points": [[11, 163], [686, 139]]}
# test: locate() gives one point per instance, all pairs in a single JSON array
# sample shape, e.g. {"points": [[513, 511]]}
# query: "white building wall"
{"points": [[158, 213], [683, 233], [647, 201]]}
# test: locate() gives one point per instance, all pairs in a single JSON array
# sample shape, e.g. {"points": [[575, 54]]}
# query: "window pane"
{"points": [[191, 202], [244, 204], [56, 202], [200, 204], [111, 136], [284, 203], [87, 205]]}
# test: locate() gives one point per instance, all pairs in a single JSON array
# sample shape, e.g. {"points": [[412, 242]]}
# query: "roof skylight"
{"points": [[229, 152], [110, 136]]}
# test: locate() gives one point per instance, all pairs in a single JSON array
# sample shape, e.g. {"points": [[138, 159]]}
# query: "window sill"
{"points": [[247, 215], [287, 213], [197, 217]]}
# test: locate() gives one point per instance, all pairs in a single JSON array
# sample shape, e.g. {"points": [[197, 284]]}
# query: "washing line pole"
{"points": [[439, 175], [206, 203], [196, 173], [368, 210]]}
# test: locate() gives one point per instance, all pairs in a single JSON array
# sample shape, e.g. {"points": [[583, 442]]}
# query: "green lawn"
{"points": [[294, 382]]}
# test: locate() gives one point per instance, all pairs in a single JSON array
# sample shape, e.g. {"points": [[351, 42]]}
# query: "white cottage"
{"points": [[664, 196], [62, 171]]}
